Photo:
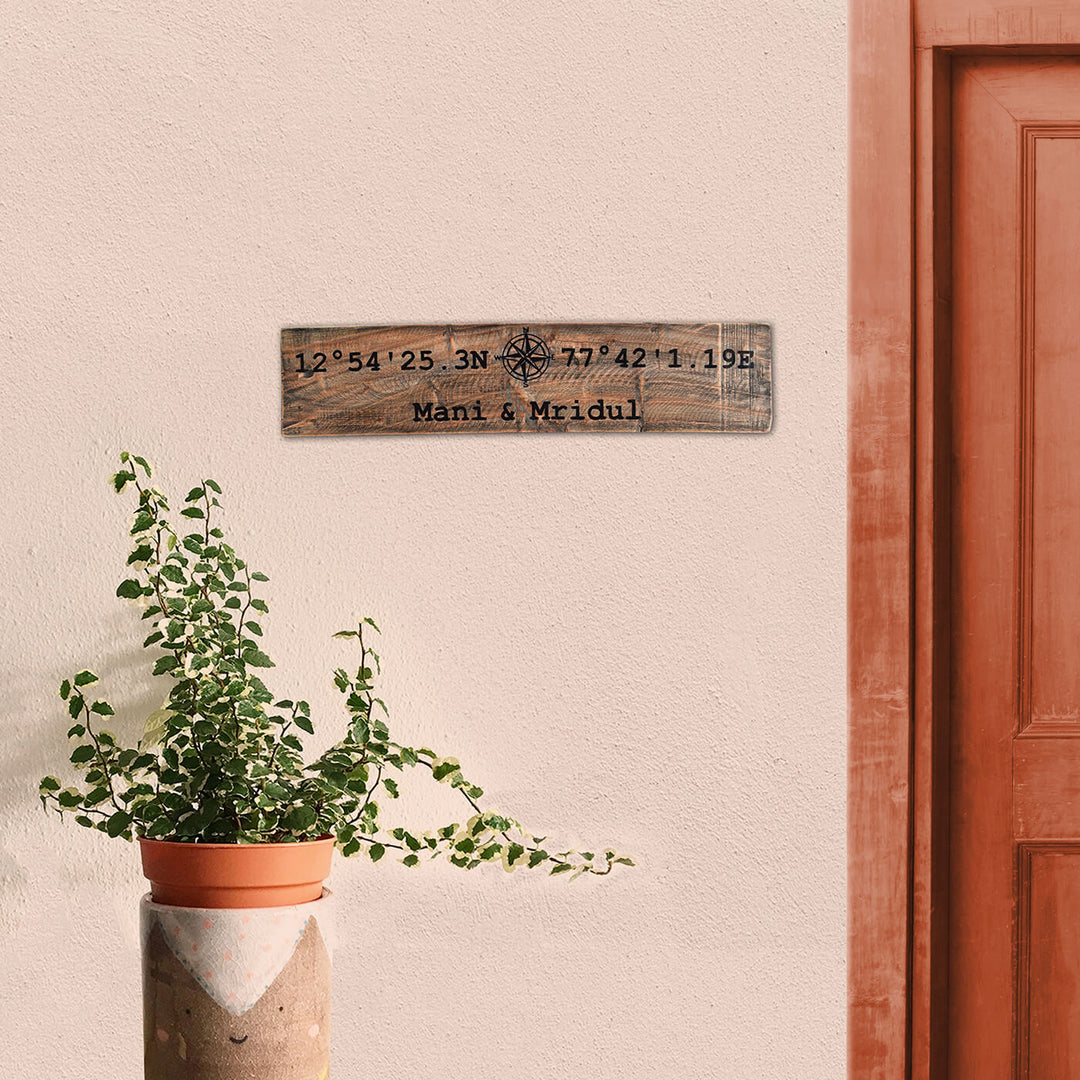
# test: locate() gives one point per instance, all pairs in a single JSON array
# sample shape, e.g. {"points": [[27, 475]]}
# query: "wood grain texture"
{"points": [[928, 994], [990, 23], [880, 380], [1048, 940], [1050, 679], [708, 377], [1013, 1003], [1046, 796], [985, 577], [900, 490]]}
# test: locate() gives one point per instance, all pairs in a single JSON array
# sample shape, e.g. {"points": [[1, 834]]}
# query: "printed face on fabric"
{"points": [[284, 1035]]}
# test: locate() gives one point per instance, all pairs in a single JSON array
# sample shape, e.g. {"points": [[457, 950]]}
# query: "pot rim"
{"points": [[238, 844]]}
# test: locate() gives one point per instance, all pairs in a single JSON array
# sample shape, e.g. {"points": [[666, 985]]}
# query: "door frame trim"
{"points": [[899, 333], [880, 537]]}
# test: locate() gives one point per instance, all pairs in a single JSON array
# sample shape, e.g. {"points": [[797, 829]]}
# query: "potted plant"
{"points": [[229, 815]]}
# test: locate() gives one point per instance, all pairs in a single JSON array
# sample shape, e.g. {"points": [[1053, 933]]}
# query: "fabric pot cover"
{"points": [[236, 993]]}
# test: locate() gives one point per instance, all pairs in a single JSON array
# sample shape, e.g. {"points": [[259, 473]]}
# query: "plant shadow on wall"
{"points": [[25, 758], [223, 760]]}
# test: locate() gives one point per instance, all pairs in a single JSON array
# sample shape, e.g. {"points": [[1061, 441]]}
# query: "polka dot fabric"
{"points": [[234, 953]]}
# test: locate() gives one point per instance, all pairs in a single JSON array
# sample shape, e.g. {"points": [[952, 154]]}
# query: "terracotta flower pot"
{"points": [[236, 875]]}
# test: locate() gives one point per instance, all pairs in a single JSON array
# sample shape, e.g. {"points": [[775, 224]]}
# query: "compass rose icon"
{"points": [[526, 356]]}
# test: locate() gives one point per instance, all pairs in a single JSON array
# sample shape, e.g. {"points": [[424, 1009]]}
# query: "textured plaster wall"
{"points": [[626, 639]]}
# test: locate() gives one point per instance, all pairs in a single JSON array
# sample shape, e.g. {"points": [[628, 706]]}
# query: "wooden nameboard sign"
{"points": [[358, 380]]}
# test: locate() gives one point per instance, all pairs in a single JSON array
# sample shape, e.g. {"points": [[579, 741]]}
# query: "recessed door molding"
{"points": [[899, 272]]}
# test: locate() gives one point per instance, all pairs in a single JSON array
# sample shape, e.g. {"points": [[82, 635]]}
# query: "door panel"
{"points": [[1014, 834], [1054, 163], [1049, 960]]}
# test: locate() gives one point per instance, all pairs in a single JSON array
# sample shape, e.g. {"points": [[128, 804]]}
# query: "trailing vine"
{"points": [[222, 760]]}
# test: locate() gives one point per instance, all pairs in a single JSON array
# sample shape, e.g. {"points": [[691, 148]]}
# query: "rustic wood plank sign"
{"points": [[359, 380]]}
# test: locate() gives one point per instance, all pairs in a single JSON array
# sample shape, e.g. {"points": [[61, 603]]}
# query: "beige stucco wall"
{"points": [[626, 639]]}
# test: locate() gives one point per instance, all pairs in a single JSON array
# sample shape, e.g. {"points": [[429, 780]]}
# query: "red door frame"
{"points": [[900, 57]]}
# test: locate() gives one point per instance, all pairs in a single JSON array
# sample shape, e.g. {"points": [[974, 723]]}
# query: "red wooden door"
{"points": [[1014, 879]]}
